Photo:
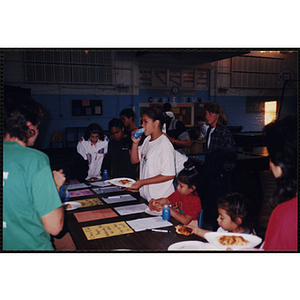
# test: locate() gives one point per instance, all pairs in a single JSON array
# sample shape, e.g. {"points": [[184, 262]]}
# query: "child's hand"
{"points": [[59, 178], [194, 228], [155, 205], [134, 140]]}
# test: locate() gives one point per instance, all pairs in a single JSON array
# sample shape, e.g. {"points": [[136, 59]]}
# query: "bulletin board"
{"points": [[86, 107]]}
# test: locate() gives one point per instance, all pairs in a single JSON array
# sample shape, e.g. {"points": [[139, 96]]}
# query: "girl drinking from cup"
{"points": [[185, 202], [156, 158]]}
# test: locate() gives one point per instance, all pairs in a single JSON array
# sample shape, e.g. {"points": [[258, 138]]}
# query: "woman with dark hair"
{"points": [[220, 160], [93, 147], [281, 139], [156, 158], [31, 204]]}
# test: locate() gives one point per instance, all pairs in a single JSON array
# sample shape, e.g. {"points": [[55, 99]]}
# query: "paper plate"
{"points": [[192, 246], [153, 212], [253, 240], [74, 205], [116, 181]]}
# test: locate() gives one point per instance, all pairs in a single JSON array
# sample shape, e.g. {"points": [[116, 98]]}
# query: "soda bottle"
{"points": [[105, 175], [166, 213], [138, 133]]}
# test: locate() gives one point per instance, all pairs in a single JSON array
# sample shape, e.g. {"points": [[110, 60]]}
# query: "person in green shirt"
{"points": [[32, 209]]}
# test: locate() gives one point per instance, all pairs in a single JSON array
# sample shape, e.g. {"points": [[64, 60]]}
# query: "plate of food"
{"points": [[192, 246], [183, 230], [122, 182], [71, 205], [153, 212], [234, 241], [94, 178]]}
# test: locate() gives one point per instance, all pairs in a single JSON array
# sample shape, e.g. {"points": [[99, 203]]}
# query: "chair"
{"points": [[57, 137], [200, 219]]}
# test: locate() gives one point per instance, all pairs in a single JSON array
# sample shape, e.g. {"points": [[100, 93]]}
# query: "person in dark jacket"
{"points": [[220, 160]]}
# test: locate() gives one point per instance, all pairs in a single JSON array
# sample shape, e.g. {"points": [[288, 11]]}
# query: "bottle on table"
{"points": [[105, 175], [166, 213]]}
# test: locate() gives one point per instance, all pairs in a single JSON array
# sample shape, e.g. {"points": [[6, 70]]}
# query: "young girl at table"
{"points": [[185, 202], [155, 156], [234, 215], [118, 154], [93, 147], [281, 140]]}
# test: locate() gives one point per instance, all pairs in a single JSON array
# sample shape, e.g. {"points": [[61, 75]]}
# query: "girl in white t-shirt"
{"points": [[93, 147], [156, 158]]}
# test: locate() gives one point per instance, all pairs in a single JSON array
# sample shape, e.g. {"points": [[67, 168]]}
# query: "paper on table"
{"points": [[92, 215], [148, 223], [119, 198], [109, 189], [80, 193], [89, 202], [131, 209], [77, 186], [106, 230], [101, 183]]}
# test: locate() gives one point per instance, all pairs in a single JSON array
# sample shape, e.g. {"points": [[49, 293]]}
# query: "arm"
{"points": [[182, 218], [81, 148], [199, 231], [59, 178], [152, 180], [158, 204], [184, 143], [134, 153], [53, 222]]}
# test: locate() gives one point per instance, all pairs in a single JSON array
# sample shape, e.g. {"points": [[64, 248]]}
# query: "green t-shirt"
{"points": [[29, 192]]}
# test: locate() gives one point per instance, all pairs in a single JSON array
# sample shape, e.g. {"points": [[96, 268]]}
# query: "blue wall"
{"points": [[58, 110]]}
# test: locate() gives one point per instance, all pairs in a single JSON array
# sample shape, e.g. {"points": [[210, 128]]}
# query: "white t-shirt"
{"points": [[156, 158], [208, 139], [180, 159], [94, 154], [221, 230]]}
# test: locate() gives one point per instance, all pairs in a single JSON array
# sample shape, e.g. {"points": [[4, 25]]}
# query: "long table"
{"points": [[141, 241]]}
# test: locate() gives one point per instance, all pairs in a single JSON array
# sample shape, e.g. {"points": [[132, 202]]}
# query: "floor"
{"points": [[68, 160]]}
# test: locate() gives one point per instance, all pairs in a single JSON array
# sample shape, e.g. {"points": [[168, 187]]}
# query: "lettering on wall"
{"points": [[174, 99]]}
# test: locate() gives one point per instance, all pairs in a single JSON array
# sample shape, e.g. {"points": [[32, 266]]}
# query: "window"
{"points": [[255, 72], [270, 111], [68, 66]]}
